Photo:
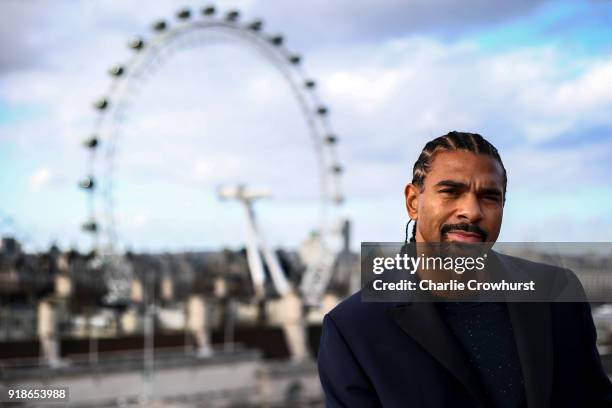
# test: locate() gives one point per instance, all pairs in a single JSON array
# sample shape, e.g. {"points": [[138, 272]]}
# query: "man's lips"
{"points": [[463, 236]]}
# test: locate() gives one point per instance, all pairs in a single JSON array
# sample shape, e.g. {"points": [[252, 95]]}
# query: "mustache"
{"points": [[475, 229]]}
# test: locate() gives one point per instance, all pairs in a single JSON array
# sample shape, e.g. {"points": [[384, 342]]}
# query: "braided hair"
{"points": [[453, 141]]}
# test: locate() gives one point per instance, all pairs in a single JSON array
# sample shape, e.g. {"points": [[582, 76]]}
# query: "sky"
{"points": [[533, 77]]}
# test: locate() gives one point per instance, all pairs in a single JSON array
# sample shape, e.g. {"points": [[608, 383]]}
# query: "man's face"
{"points": [[462, 199]]}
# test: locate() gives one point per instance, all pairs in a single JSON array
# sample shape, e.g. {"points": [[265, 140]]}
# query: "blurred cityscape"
{"points": [[189, 331]]}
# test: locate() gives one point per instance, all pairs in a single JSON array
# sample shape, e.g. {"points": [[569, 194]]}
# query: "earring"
{"points": [[407, 226]]}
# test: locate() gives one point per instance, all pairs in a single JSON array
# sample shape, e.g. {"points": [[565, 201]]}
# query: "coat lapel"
{"points": [[532, 327], [422, 322]]}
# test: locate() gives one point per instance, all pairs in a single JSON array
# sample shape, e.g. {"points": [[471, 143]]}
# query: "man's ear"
{"points": [[411, 192]]}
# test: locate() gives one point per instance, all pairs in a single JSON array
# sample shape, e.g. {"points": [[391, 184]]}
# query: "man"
{"points": [[460, 354]]}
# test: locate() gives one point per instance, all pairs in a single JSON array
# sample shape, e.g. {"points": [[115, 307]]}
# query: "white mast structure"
{"points": [[255, 242], [289, 307]]}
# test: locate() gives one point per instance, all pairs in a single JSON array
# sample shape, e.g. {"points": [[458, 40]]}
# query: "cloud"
{"points": [[19, 40], [39, 179], [346, 21], [31, 30]]}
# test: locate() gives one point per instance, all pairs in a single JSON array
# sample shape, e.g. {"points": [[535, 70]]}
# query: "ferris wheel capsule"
{"points": [[116, 70], [90, 226], [91, 143], [136, 43], [232, 15], [87, 183], [208, 11], [160, 25], [183, 14], [277, 40], [101, 104], [255, 25], [331, 139]]}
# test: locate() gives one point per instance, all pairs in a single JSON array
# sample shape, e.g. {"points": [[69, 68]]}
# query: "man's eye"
{"points": [[449, 192], [492, 197]]}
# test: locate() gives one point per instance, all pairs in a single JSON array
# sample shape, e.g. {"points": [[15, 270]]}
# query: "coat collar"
{"points": [[422, 322], [532, 328]]}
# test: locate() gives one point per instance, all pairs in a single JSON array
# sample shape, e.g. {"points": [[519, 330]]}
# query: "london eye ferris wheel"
{"points": [[207, 27]]}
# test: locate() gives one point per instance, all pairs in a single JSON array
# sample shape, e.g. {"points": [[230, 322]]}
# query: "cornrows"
{"points": [[472, 142]]}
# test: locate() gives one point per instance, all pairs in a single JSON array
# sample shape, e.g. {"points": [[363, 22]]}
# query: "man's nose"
{"points": [[469, 209]]}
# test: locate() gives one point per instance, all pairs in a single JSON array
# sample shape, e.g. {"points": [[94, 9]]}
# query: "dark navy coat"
{"points": [[404, 355]]}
